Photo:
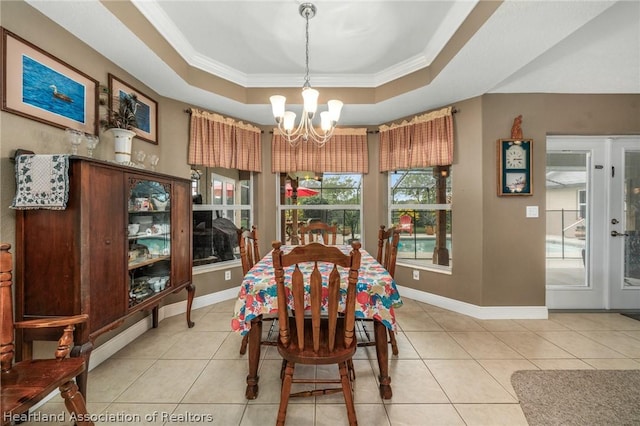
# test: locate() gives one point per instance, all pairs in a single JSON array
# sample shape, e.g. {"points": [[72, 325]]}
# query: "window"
{"points": [[420, 205], [228, 203], [332, 198]]}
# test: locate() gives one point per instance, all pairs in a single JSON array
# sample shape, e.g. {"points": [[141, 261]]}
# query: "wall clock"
{"points": [[514, 167]]}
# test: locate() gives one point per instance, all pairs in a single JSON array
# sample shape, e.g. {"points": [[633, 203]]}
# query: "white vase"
{"points": [[122, 144]]}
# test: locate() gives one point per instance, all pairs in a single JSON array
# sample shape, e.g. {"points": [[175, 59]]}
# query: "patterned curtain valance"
{"points": [[346, 152], [426, 140], [217, 141]]}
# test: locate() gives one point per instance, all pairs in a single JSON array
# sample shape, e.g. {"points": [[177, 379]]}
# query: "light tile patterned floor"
{"points": [[452, 370]]}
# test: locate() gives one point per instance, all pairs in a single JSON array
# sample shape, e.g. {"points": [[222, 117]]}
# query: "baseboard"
{"points": [[475, 311]]}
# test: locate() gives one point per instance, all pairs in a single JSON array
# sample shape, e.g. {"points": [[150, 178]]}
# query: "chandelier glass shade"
{"points": [[305, 131]]}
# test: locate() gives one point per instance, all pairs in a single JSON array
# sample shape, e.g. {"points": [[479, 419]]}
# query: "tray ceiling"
{"points": [[384, 59]]}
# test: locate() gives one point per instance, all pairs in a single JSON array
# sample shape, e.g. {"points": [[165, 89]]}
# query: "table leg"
{"points": [[255, 334], [382, 353]]}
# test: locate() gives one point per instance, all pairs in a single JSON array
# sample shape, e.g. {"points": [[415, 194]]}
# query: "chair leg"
{"points": [[352, 370], [282, 368], [243, 344], [347, 390], [394, 344], [74, 401], [284, 393]]}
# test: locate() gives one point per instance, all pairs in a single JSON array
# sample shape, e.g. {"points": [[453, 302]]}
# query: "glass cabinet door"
{"points": [[149, 238]]}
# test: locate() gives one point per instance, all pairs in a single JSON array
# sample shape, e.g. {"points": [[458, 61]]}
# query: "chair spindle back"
{"points": [[388, 241], [314, 229], [316, 253]]}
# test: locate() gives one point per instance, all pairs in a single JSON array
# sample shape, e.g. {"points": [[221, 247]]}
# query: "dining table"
{"points": [[377, 297]]}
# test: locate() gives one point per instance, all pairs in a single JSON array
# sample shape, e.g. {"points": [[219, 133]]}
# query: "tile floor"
{"points": [[452, 370]]}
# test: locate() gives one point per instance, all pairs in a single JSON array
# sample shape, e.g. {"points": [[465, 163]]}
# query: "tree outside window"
{"points": [[329, 198]]}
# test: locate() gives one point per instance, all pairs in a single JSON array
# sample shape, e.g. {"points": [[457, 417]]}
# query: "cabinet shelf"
{"points": [[148, 261], [146, 212], [162, 236]]}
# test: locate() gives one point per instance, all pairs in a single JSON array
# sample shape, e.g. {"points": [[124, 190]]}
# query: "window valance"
{"points": [[217, 141], [346, 152], [426, 140]]}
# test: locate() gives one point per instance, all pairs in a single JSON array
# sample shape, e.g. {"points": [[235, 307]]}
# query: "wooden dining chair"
{"points": [[26, 383], [309, 336], [388, 241], [314, 230], [249, 255], [249, 250]]}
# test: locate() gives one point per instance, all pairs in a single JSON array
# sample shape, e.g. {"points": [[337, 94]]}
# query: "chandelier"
{"points": [[286, 119]]}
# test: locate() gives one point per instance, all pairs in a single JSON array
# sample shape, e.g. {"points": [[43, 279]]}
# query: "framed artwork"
{"points": [[146, 113], [515, 167], [39, 86]]}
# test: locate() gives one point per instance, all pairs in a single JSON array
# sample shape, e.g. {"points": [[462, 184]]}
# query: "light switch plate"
{"points": [[532, 211]]}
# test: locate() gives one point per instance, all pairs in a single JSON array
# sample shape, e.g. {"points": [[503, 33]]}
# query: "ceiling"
{"points": [[384, 59]]}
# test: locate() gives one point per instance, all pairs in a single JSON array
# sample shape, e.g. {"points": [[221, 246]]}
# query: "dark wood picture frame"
{"points": [[515, 167], [147, 112], [39, 86]]}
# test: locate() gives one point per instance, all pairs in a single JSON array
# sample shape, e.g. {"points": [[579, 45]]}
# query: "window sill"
{"points": [[218, 266], [420, 265]]}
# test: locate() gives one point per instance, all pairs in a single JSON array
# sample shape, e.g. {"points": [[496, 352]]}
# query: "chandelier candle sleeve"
{"points": [[286, 119]]}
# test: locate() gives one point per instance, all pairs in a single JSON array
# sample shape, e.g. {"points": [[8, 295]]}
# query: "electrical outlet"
{"points": [[227, 275], [416, 275]]}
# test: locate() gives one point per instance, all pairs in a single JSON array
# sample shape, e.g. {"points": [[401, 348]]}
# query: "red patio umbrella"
{"points": [[302, 191]]}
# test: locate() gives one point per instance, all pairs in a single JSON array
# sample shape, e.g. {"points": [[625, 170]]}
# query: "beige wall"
{"points": [[514, 273], [498, 254]]}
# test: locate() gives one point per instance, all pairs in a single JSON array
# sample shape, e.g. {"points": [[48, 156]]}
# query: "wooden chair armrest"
{"points": [[69, 323], [52, 322]]}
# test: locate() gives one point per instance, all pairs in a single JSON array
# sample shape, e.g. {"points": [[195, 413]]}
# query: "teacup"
{"points": [[133, 228], [159, 205], [156, 283]]}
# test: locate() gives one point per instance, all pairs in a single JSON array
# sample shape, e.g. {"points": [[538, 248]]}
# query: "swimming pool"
{"points": [[554, 249], [419, 244]]}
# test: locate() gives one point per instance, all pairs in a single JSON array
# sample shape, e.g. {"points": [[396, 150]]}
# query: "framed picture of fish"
{"points": [[39, 86], [146, 109]]}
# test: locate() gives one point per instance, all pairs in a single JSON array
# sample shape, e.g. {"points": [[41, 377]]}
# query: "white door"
{"points": [[592, 185], [624, 224]]}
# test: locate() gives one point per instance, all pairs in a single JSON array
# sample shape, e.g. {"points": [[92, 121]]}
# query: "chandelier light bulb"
{"points": [[305, 131], [277, 105], [335, 107], [310, 97], [289, 120], [325, 121]]}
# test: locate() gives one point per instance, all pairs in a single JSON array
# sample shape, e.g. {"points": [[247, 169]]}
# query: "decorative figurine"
{"points": [[516, 129]]}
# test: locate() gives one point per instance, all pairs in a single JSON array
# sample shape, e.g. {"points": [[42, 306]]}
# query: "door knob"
{"points": [[618, 234]]}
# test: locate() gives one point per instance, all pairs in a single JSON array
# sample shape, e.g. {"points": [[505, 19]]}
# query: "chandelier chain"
{"points": [[307, 82]]}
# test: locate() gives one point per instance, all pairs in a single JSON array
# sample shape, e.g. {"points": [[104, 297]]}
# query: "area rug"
{"points": [[634, 315], [579, 397]]}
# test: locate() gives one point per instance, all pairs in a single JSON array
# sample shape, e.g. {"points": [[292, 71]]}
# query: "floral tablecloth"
{"points": [[376, 293]]}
